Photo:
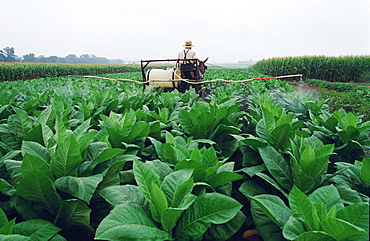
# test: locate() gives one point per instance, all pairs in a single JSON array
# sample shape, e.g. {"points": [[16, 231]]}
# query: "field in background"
{"points": [[23, 71], [335, 69]]}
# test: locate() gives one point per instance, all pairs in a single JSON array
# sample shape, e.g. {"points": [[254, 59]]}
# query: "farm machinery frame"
{"points": [[186, 73]]}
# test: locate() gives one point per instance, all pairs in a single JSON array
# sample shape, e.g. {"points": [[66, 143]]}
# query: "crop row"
{"points": [[85, 159], [339, 86], [348, 96], [23, 71], [337, 69]]}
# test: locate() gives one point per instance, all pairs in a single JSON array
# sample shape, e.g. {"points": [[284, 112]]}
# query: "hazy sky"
{"points": [[225, 31]]}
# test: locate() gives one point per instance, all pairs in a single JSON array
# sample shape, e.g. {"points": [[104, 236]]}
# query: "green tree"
{"points": [[55, 59], [29, 57], [71, 58], [8, 54]]}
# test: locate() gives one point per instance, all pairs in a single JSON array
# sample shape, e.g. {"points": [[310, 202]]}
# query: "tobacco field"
{"points": [[98, 159]]}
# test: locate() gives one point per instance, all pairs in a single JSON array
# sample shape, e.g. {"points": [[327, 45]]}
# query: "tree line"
{"points": [[8, 55]]}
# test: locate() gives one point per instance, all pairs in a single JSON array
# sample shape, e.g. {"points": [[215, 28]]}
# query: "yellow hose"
{"points": [[187, 80]]}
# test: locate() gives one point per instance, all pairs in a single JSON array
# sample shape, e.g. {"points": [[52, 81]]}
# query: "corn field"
{"points": [[336, 69], [23, 71]]}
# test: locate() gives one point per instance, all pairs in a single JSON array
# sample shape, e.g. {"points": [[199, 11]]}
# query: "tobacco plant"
{"points": [[321, 215], [164, 206]]}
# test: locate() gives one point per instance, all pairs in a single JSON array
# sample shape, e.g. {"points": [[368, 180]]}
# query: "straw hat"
{"points": [[188, 44]]}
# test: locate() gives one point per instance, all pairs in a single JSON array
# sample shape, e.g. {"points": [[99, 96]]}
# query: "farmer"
{"points": [[188, 68], [187, 53]]}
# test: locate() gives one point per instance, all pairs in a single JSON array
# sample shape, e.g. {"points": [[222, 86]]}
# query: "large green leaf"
{"points": [[160, 167], [314, 235], [82, 129], [307, 160], [202, 125], [170, 217], [252, 141], [35, 149], [8, 227], [347, 194], [14, 237], [222, 178], [277, 166], [37, 187], [36, 229], [170, 153], [185, 121], [174, 188], [272, 182], [67, 158], [47, 135], [182, 199], [207, 208], [303, 209], [350, 120], [14, 170], [265, 125], [79, 187], [73, 212], [138, 131], [273, 207], [182, 194], [27, 209], [20, 123], [8, 156], [6, 189], [225, 231], [158, 199], [46, 116], [251, 188], [331, 123], [329, 195], [30, 163], [199, 172], [144, 177], [35, 135], [129, 222], [304, 182], [350, 170], [103, 156], [111, 175], [209, 158], [158, 147], [61, 132], [322, 211], [253, 170], [120, 127], [86, 139], [292, 228], [279, 136], [340, 229], [315, 162], [267, 228], [356, 214], [365, 170], [120, 194]]}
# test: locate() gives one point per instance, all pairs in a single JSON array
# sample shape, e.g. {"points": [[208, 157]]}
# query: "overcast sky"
{"points": [[225, 31]]}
